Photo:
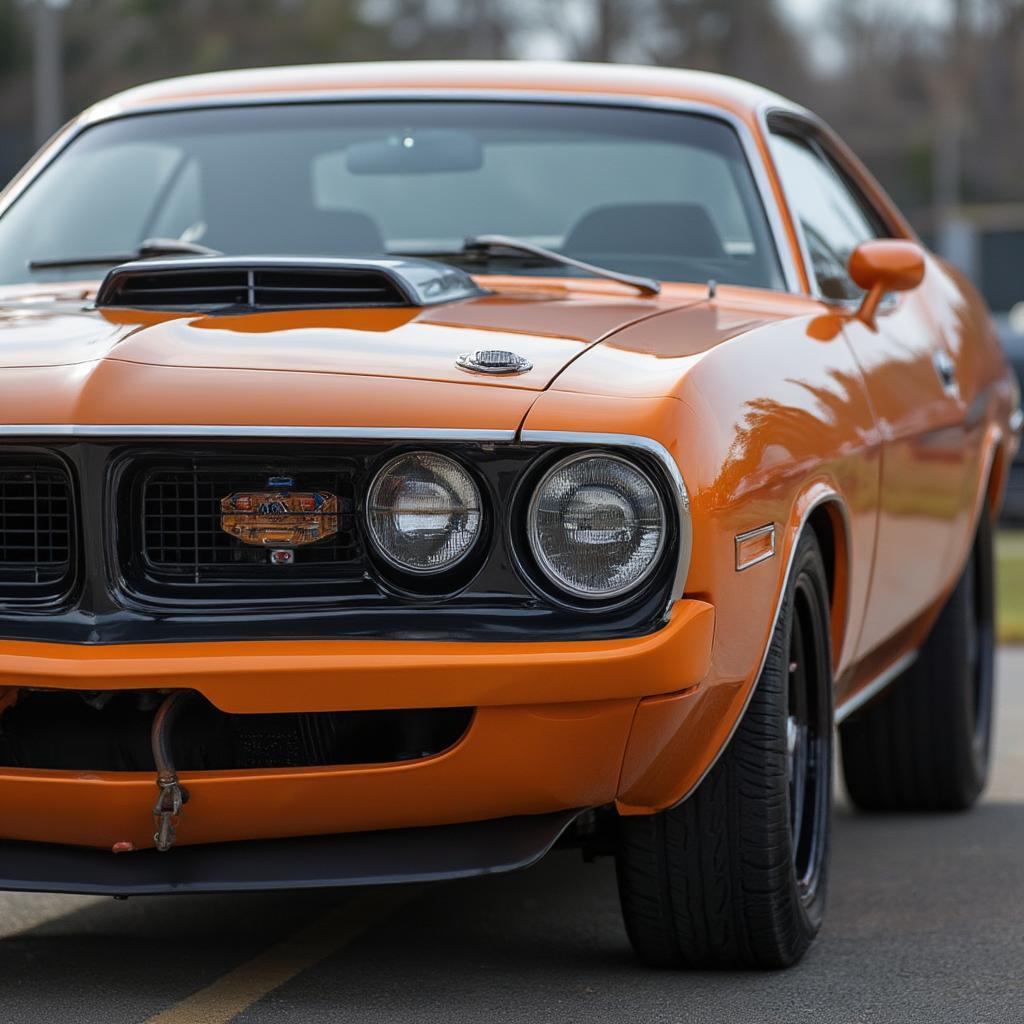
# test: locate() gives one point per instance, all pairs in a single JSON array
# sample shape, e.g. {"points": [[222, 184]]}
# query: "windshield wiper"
{"points": [[493, 244], [149, 249]]}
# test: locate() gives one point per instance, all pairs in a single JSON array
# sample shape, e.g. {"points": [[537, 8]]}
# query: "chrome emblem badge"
{"points": [[496, 361], [280, 517]]}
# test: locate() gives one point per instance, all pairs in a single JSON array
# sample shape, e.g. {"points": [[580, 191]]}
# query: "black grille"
{"points": [[71, 730], [35, 530], [183, 539], [243, 288]]}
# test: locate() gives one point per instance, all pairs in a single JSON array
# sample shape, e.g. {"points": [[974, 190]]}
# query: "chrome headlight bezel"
{"points": [[556, 584]]}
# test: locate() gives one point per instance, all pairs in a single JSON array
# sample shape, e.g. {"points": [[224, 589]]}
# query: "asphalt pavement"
{"points": [[926, 923]]}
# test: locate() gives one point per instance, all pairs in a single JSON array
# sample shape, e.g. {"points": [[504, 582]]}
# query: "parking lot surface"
{"points": [[926, 923]]}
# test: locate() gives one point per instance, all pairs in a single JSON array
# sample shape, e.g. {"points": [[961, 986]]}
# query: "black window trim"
{"points": [[815, 135]]}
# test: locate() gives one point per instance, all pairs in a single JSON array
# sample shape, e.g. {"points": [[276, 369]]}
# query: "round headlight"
{"points": [[424, 512], [596, 525]]}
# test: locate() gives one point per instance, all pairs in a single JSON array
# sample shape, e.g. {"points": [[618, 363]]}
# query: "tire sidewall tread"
{"points": [[722, 860]]}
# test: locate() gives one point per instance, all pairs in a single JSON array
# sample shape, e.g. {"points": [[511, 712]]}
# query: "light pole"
{"points": [[47, 68]]}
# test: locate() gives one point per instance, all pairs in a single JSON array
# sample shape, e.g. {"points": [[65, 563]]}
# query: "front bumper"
{"points": [[549, 734]]}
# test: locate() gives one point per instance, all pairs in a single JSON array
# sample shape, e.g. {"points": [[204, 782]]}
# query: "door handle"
{"points": [[945, 370]]}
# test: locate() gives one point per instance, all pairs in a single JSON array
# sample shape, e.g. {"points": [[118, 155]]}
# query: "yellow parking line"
{"points": [[237, 990]]}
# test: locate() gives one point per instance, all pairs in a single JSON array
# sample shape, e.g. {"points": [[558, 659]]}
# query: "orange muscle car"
{"points": [[404, 468]]}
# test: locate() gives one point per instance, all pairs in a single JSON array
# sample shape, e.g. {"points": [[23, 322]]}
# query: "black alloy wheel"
{"points": [[736, 875], [808, 740]]}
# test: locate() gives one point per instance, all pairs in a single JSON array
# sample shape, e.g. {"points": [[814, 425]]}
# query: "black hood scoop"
{"points": [[241, 284]]}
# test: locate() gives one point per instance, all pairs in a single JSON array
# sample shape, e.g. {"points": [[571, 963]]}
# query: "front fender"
{"points": [[765, 427]]}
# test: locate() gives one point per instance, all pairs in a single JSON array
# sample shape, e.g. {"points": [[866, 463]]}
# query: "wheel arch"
{"points": [[650, 783], [829, 521], [997, 471]]}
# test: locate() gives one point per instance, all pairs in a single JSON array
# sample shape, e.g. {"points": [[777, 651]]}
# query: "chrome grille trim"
{"points": [[97, 430]]}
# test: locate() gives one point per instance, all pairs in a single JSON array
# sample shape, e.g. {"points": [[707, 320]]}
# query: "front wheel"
{"points": [[735, 876]]}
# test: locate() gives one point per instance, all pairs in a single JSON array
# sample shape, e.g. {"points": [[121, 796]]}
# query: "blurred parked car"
{"points": [[1011, 335]]}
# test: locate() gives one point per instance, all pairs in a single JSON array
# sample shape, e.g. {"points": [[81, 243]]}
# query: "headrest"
{"points": [[662, 229], [346, 233]]}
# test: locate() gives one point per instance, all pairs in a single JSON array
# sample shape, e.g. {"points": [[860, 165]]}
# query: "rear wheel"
{"points": [[735, 876], [925, 744]]}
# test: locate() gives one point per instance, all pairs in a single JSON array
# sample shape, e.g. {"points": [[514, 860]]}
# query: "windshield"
{"points": [[658, 193]]}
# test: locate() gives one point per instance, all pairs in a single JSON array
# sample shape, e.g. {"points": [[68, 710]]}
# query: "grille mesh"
{"points": [[35, 530], [183, 539]]}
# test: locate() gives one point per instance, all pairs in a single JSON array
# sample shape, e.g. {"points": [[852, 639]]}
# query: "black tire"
{"points": [[736, 875], [925, 744]]}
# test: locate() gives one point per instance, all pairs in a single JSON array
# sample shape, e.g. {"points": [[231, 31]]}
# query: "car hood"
{"points": [[71, 364]]}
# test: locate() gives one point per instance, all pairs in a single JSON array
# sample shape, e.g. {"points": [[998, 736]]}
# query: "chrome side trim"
{"points": [[764, 113], [824, 499], [875, 687], [287, 433], [762, 531], [815, 125], [748, 142], [659, 452]]}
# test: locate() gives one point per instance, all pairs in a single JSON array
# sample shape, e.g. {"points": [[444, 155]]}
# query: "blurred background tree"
{"points": [[929, 92]]}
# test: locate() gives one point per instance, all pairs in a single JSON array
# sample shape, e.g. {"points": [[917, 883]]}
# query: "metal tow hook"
{"points": [[167, 810], [173, 795]]}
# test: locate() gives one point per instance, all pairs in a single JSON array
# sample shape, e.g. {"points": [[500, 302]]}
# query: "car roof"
{"points": [[562, 78]]}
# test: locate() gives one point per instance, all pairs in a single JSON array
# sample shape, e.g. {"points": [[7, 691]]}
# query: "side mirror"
{"points": [[881, 266]]}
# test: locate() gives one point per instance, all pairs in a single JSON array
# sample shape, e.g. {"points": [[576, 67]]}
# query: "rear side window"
{"points": [[833, 220]]}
